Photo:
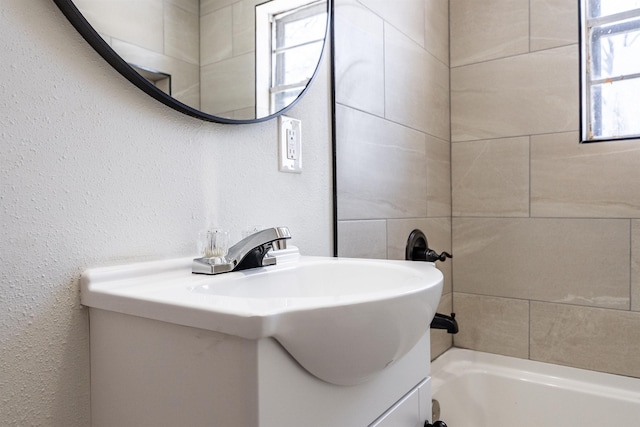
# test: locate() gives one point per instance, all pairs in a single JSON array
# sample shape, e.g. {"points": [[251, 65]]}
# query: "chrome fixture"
{"points": [[250, 252]]}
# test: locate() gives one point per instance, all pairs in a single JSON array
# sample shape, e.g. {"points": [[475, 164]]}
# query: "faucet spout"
{"points": [[442, 321], [250, 252]]}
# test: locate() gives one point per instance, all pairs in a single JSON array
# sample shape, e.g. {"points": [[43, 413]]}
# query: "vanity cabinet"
{"points": [[310, 341], [147, 372], [412, 410]]}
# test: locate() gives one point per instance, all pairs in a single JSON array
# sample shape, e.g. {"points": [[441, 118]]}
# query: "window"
{"points": [[610, 69], [290, 50]]}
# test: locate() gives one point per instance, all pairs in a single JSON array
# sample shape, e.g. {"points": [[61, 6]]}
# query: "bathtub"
{"points": [[477, 389]]}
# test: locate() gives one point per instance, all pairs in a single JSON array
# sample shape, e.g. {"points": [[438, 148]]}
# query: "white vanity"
{"points": [[311, 341]]}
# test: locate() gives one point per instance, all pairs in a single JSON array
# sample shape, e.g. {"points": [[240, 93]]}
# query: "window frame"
{"points": [[599, 25], [266, 66], [280, 20]]}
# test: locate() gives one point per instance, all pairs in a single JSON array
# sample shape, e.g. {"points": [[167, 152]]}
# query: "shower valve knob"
{"points": [[443, 256], [418, 249]]}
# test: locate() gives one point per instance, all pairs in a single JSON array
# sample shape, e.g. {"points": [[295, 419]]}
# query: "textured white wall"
{"points": [[92, 173]]}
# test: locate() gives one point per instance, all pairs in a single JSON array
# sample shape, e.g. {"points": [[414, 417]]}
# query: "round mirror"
{"points": [[227, 61]]}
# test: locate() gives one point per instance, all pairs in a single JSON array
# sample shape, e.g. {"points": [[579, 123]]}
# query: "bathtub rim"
{"points": [[456, 362]]}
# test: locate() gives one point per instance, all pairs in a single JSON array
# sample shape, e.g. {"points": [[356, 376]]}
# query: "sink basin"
{"points": [[343, 320]]}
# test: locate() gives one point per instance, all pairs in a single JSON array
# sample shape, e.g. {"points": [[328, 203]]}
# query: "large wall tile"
{"points": [[416, 86], [553, 23], [362, 239], [228, 84], [584, 180], [494, 325], [491, 178], [137, 22], [441, 340], [589, 338], [244, 26], [438, 232], [489, 29], [522, 95], [436, 35], [575, 261], [359, 60], [381, 169], [635, 265], [216, 40], [438, 177], [407, 16], [208, 6], [181, 34], [191, 6]]}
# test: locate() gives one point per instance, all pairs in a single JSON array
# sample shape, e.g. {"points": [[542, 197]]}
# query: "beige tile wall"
{"points": [[381, 170], [363, 239], [139, 22], [181, 35], [544, 259], [546, 236], [597, 178], [485, 321], [486, 30], [585, 337], [491, 177], [410, 98], [227, 57], [393, 132], [489, 99]]}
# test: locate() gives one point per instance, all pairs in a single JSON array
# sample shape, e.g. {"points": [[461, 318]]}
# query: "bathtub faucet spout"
{"points": [[442, 321]]}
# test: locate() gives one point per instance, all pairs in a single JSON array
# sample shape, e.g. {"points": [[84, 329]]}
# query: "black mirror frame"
{"points": [[97, 42]]}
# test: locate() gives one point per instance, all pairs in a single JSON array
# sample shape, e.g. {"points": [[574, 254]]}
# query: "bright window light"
{"points": [[610, 66], [289, 40]]}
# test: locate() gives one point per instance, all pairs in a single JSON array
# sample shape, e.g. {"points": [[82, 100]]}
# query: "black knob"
{"points": [[431, 256], [436, 424], [442, 257], [417, 249]]}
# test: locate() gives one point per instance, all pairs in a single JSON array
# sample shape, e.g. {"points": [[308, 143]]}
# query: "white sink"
{"points": [[343, 320]]}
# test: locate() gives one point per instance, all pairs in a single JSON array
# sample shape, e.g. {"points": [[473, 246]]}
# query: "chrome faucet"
{"points": [[250, 252]]}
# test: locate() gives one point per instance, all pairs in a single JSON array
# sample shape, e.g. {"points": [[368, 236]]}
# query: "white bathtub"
{"points": [[477, 389]]}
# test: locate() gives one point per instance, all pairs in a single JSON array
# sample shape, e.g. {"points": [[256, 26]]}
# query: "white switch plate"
{"points": [[289, 145]]}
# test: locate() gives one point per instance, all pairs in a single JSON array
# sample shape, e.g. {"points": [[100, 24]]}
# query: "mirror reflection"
{"points": [[240, 60]]}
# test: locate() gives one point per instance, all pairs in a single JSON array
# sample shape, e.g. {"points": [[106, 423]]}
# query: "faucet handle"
{"points": [[214, 244], [432, 255]]}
